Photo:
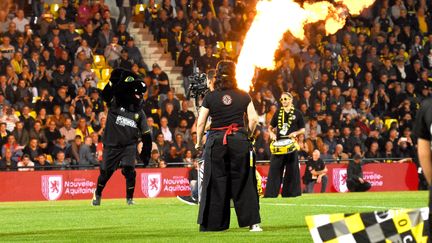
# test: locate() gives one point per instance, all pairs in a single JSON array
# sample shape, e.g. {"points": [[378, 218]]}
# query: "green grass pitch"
{"points": [[169, 220]]}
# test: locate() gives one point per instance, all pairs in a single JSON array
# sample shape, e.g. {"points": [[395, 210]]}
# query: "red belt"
{"points": [[228, 130]]}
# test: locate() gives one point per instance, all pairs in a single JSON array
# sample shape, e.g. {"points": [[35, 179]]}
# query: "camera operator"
{"points": [[81, 101]]}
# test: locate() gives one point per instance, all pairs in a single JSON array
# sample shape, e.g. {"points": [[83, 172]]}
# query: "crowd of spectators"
{"points": [[358, 89], [51, 62]]}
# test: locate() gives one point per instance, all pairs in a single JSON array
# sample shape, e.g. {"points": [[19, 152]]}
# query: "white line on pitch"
{"points": [[326, 205]]}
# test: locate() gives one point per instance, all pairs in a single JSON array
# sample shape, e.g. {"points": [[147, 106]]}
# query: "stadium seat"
{"points": [[54, 9], [106, 73], [388, 122], [220, 45], [79, 31], [49, 158], [101, 84], [35, 99], [33, 114], [231, 47], [97, 72], [99, 61], [17, 113], [140, 8]]}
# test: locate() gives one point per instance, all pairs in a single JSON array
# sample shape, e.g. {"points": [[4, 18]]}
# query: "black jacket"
{"points": [[354, 171]]}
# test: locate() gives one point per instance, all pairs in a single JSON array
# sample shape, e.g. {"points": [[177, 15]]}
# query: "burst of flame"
{"points": [[274, 18]]}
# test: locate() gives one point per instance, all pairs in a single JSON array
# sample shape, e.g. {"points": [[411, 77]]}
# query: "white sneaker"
{"points": [[255, 228]]}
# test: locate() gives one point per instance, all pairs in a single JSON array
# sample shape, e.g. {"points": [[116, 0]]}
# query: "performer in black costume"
{"points": [[229, 169], [126, 124], [288, 123], [423, 132]]}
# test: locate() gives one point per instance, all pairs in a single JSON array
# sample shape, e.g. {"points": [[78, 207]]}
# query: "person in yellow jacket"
{"points": [[83, 129]]}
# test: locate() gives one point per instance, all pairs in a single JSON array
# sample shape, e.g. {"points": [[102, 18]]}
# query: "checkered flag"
{"points": [[404, 225]]}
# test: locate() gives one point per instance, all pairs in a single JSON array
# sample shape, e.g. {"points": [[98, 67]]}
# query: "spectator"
{"points": [[4, 21], [314, 142], [60, 145], [10, 118], [172, 157], [88, 75], [373, 152], [11, 145], [21, 134], [84, 13], [86, 157], [154, 159], [171, 115], [185, 114], [355, 180], [339, 155], [83, 130], [162, 145], [113, 51], [32, 149], [105, 37], [325, 155], [134, 53], [166, 130], [61, 160], [180, 145], [7, 162], [90, 37], [67, 130], [75, 148], [315, 173], [160, 78], [41, 163], [184, 131], [52, 134], [6, 48], [125, 8], [20, 21], [25, 164], [124, 61]]}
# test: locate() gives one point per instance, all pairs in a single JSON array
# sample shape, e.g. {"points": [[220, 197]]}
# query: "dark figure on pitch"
{"points": [[229, 171], [315, 173], [126, 124], [423, 132], [287, 123], [355, 181]]}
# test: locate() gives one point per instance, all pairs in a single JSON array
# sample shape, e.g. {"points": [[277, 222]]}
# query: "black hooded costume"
{"points": [[126, 125]]}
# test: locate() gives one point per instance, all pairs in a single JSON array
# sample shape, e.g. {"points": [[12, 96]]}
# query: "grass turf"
{"points": [[169, 220]]}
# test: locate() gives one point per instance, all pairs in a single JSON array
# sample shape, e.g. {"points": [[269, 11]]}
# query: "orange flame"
{"points": [[274, 18]]}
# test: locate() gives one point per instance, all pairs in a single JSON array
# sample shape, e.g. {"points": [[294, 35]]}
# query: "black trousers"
{"points": [[114, 158], [229, 173], [291, 180], [356, 186]]}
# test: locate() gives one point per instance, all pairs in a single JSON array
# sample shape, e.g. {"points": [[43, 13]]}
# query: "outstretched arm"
{"points": [[252, 118]]}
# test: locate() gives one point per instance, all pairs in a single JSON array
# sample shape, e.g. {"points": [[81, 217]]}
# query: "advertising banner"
{"points": [[170, 182]]}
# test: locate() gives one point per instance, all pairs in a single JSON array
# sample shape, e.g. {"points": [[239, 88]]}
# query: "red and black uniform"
{"points": [[285, 123], [229, 171]]}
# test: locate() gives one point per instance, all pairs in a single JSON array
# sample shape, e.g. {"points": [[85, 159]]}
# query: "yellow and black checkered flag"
{"points": [[404, 225]]}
